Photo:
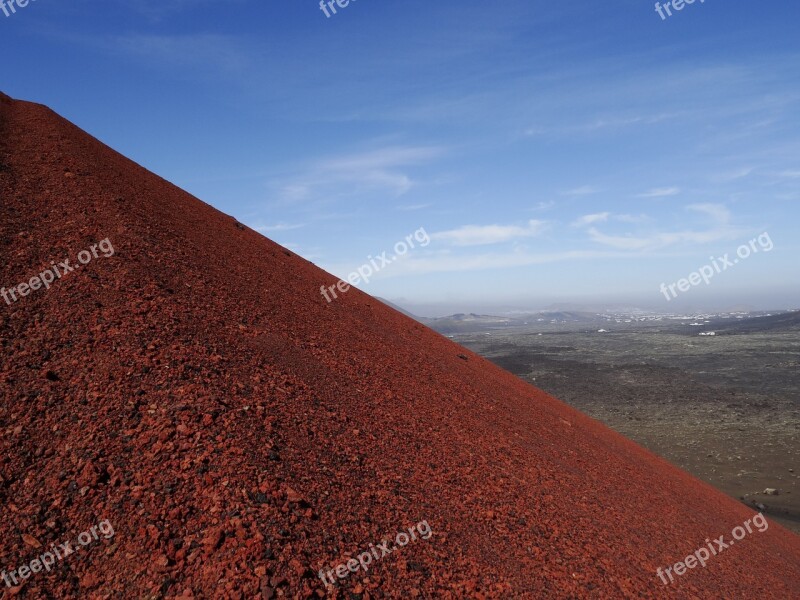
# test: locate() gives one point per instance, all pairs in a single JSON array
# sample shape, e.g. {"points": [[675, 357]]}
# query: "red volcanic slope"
{"points": [[240, 433]]}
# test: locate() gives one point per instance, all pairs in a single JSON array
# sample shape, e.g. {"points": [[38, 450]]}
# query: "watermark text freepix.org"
{"points": [[48, 276], [366, 271], [9, 5], [46, 560], [365, 558], [702, 554], [330, 5], [706, 272], [677, 5]]}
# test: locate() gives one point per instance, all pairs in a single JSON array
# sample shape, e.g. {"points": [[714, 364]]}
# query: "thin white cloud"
{"points": [[791, 174], [717, 212], [278, 227], [788, 196], [721, 229], [222, 54], [155, 9], [446, 262], [606, 124], [632, 218], [733, 175], [532, 131], [589, 219], [294, 192], [481, 235], [660, 240], [584, 190], [409, 207], [617, 122], [384, 169], [660, 192]]}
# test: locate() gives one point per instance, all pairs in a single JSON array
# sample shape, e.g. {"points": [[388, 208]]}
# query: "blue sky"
{"points": [[555, 152]]}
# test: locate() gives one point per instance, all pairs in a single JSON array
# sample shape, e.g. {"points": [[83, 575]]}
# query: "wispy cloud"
{"points": [[156, 9], [633, 218], [733, 175], [589, 219], [604, 217], [410, 207], [721, 229], [222, 54], [384, 169], [294, 192], [626, 121], [660, 240], [607, 124], [717, 212], [584, 190], [481, 235], [277, 227], [660, 192], [445, 262]]}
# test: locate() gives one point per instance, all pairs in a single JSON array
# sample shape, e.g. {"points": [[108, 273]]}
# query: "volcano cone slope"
{"points": [[240, 433]]}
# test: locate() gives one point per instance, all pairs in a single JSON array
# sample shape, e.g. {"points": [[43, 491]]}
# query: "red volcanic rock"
{"points": [[31, 541], [240, 433]]}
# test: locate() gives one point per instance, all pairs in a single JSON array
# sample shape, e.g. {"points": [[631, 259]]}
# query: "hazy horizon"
{"points": [[433, 311]]}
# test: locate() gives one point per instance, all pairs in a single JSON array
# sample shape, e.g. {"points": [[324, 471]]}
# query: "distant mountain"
{"points": [[400, 309], [474, 323], [563, 316], [470, 323]]}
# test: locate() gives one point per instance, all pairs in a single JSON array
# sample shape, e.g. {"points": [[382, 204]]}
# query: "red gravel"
{"points": [[240, 433]]}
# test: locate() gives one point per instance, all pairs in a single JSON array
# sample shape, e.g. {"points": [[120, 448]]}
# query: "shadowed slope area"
{"points": [[240, 433]]}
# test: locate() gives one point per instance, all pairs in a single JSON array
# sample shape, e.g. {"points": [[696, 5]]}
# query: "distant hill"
{"points": [[470, 323], [789, 322], [474, 323], [400, 309]]}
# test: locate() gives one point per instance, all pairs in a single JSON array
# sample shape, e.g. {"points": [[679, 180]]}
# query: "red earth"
{"points": [[240, 433]]}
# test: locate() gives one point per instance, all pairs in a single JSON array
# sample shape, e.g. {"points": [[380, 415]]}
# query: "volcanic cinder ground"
{"points": [[240, 433]]}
